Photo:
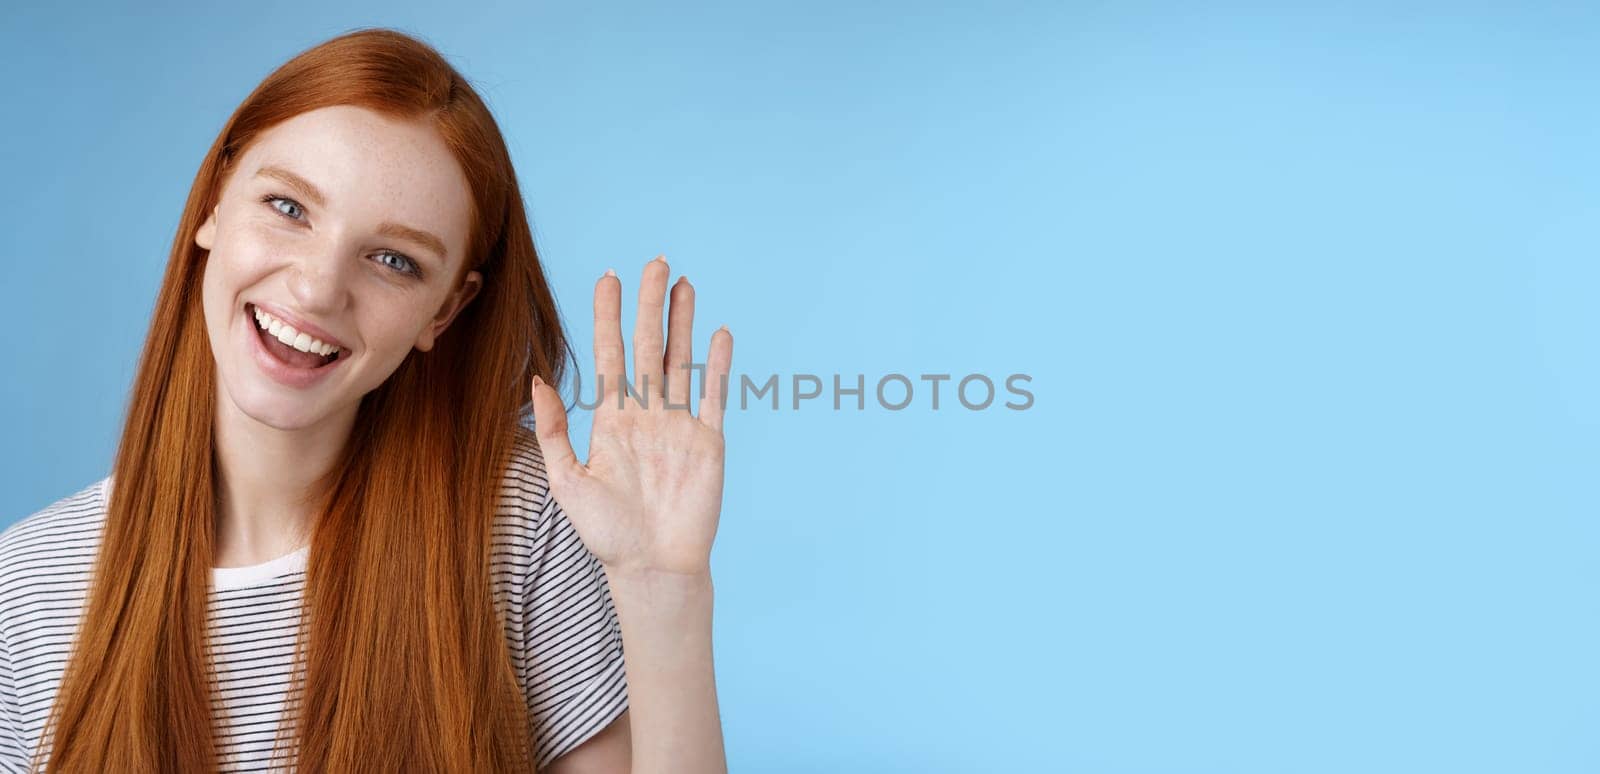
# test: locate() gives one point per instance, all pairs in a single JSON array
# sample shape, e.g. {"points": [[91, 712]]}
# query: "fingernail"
{"points": [[661, 258], [611, 272], [537, 381], [682, 278]]}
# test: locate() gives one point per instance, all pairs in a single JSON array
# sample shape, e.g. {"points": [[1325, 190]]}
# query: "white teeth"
{"points": [[286, 333]]}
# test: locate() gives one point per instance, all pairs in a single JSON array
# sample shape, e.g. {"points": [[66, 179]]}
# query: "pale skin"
{"points": [[318, 250], [646, 503]]}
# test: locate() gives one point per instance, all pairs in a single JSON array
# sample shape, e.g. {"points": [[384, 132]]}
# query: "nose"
{"points": [[319, 281]]}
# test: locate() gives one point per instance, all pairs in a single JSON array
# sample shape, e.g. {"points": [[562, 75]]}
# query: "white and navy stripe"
{"points": [[560, 624]]}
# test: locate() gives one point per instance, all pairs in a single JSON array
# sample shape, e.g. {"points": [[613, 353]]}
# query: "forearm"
{"points": [[672, 692]]}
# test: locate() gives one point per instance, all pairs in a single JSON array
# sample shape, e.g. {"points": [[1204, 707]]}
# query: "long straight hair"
{"points": [[406, 665]]}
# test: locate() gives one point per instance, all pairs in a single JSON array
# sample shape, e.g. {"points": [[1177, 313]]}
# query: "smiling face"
{"points": [[349, 227]]}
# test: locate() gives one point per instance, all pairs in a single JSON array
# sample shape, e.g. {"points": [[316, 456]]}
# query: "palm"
{"points": [[650, 495]]}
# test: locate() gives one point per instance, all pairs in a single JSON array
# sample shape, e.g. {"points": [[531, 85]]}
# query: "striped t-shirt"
{"points": [[565, 642]]}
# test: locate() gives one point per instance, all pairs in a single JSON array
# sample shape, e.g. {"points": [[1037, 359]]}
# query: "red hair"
{"points": [[405, 658]]}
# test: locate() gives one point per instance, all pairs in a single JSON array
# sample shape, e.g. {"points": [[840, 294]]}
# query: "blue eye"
{"points": [[294, 209], [404, 265]]}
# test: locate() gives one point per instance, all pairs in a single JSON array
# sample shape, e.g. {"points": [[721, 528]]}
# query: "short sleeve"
{"points": [[574, 678]]}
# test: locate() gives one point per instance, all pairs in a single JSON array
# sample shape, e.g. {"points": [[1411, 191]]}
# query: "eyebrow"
{"points": [[304, 187]]}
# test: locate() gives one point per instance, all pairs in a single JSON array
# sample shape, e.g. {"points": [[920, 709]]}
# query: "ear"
{"points": [[207, 233], [452, 306]]}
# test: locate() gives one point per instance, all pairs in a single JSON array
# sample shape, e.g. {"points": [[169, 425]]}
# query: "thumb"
{"points": [[550, 428]]}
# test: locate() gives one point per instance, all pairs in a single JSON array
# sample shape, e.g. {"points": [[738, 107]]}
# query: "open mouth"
{"points": [[289, 346]]}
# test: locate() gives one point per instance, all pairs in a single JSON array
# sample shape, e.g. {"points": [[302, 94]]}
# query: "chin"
{"points": [[281, 412]]}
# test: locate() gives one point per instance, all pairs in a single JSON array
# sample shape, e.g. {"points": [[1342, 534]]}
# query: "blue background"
{"points": [[1307, 294]]}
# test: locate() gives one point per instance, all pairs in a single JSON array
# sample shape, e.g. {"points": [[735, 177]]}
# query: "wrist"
{"points": [[637, 575], [662, 592]]}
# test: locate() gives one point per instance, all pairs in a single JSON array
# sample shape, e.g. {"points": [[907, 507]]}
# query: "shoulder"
{"points": [[76, 518], [523, 512], [54, 546], [524, 488]]}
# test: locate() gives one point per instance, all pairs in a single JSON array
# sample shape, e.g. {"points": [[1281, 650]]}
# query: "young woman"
{"points": [[328, 543]]}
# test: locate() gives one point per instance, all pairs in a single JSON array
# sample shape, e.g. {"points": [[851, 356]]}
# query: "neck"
{"points": [[267, 479]]}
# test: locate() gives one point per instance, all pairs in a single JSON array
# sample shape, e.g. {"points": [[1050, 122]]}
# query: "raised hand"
{"points": [[650, 496]]}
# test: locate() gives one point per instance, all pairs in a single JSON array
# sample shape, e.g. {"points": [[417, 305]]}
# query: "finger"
{"points": [[647, 352], [718, 363], [609, 367], [680, 344], [550, 428]]}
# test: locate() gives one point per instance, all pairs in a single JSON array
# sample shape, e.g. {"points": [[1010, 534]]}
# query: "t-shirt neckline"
{"points": [[225, 578]]}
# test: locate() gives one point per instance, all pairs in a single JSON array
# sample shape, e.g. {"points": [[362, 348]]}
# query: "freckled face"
{"points": [[348, 226]]}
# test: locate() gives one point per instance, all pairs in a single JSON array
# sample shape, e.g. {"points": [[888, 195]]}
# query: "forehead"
{"points": [[371, 168]]}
